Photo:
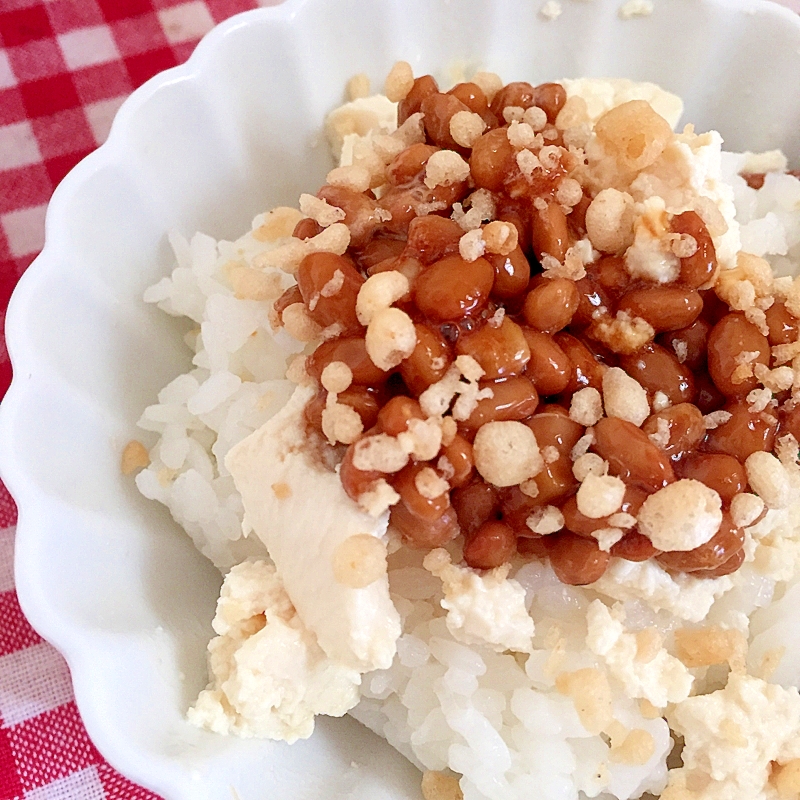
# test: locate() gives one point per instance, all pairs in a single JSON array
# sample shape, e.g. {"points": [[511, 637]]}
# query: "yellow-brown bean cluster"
{"points": [[549, 344]]}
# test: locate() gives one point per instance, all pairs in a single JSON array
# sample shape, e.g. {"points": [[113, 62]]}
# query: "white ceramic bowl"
{"points": [[105, 575]]}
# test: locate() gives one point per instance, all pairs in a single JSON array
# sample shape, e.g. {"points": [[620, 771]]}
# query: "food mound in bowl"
{"points": [[496, 439]]}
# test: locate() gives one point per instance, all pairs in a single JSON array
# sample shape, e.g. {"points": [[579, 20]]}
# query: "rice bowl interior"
{"points": [[155, 627]]}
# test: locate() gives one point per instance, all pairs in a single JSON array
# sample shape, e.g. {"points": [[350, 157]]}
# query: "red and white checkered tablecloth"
{"points": [[65, 68]]}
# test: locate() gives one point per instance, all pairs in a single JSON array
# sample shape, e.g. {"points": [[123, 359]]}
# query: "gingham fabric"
{"points": [[65, 68]]}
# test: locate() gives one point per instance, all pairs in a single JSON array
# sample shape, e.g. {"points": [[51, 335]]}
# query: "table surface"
{"points": [[65, 68]]}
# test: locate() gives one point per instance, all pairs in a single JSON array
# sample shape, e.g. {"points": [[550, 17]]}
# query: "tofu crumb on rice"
{"points": [[505, 683]]}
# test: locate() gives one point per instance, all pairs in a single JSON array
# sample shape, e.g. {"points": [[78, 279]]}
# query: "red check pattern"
{"points": [[65, 68]]}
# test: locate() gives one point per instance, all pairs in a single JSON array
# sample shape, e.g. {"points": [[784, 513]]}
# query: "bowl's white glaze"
{"points": [[103, 574]]}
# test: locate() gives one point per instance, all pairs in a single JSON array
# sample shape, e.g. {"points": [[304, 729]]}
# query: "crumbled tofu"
{"points": [[269, 676], [607, 537], [686, 596], [359, 118], [299, 325], [471, 246], [623, 333], [733, 735], [500, 237], [429, 484], [681, 516], [660, 678], [484, 609], [357, 628]]}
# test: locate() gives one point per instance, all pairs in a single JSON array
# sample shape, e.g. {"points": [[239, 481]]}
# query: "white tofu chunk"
{"points": [[296, 505]]}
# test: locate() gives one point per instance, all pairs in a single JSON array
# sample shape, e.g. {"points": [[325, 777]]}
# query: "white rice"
{"points": [[495, 718]]}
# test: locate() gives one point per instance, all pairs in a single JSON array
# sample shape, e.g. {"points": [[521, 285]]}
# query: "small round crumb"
{"points": [[589, 464], [320, 210], [466, 127], [429, 484], [134, 456], [569, 192], [609, 221], [438, 786], [768, 479], [586, 407], [746, 508], [501, 237], [545, 520], [359, 560], [390, 337], [471, 246], [336, 377], [379, 453], [600, 495], [624, 397], [506, 453], [445, 167], [378, 292], [355, 177], [399, 81], [536, 118], [341, 423], [681, 516], [358, 86], [513, 114], [490, 82], [299, 324]]}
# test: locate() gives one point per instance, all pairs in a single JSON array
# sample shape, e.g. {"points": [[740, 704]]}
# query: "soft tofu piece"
{"points": [[603, 94], [269, 677], [732, 736], [483, 609], [298, 508], [687, 597], [660, 678]]}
